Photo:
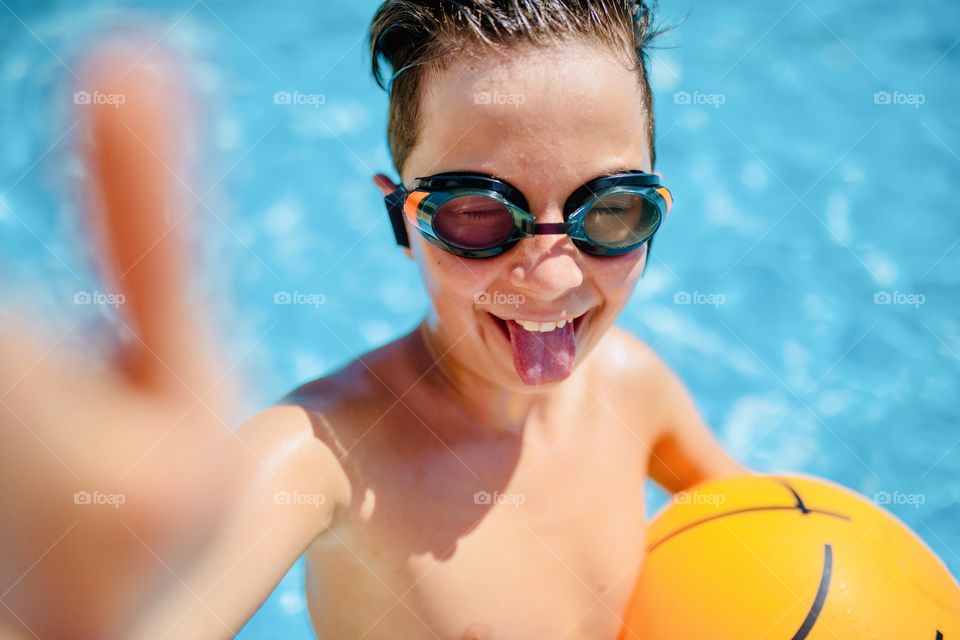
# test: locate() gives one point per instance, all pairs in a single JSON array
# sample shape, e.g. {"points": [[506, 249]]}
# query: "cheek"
{"points": [[449, 277], [616, 276]]}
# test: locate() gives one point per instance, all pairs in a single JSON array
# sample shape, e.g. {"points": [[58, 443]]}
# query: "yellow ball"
{"points": [[787, 558]]}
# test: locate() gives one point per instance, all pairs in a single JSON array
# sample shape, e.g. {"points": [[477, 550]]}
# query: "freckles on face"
{"points": [[451, 281], [546, 120]]}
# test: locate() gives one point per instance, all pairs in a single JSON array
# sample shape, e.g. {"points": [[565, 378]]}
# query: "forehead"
{"points": [[566, 114]]}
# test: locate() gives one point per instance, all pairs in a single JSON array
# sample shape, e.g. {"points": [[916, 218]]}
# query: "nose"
{"points": [[545, 266]]}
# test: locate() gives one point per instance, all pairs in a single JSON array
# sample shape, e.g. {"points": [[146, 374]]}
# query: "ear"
{"points": [[384, 183]]}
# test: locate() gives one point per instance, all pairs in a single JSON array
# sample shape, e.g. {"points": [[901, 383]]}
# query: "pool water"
{"points": [[805, 287]]}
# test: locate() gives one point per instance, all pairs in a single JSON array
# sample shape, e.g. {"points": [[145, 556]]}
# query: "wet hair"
{"points": [[413, 37]]}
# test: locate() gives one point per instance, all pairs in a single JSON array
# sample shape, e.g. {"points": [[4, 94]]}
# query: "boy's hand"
{"points": [[110, 479]]}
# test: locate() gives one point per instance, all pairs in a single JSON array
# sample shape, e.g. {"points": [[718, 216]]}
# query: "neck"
{"points": [[488, 404]]}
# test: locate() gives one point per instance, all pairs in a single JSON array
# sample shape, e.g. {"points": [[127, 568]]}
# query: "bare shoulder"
{"points": [[625, 357], [345, 406], [637, 377], [287, 457]]}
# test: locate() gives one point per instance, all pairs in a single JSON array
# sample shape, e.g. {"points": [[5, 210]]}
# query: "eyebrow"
{"points": [[602, 174], [610, 172]]}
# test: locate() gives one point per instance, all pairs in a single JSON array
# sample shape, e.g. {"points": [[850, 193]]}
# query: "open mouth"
{"points": [[542, 352], [502, 324]]}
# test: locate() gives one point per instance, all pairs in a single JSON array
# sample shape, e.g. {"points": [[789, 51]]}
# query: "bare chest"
{"points": [[538, 540]]}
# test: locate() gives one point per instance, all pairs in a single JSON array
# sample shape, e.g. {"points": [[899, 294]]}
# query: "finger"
{"points": [[135, 153]]}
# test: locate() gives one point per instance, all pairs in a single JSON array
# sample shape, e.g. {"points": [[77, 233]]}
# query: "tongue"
{"points": [[540, 358]]}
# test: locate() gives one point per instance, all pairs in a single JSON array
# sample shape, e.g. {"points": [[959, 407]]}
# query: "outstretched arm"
{"points": [[103, 467], [288, 488]]}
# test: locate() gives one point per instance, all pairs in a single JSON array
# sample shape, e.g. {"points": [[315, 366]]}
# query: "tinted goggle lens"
{"points": [[619, 220], [473, 222]]}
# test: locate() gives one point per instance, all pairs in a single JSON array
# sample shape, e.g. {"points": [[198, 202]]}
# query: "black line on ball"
{"points": [[736, 512], [796, 496], [821, 597]]}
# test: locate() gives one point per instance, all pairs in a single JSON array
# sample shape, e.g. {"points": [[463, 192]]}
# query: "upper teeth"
{"points": [[530, 325]]}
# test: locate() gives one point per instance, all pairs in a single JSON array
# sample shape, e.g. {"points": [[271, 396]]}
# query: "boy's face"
{"points": [[546, 120]]}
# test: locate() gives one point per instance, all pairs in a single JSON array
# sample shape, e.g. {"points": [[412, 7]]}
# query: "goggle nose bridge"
{"points": [[545, 228]]}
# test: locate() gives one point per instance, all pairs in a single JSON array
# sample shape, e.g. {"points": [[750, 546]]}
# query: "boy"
{"points": [[482, 476]]}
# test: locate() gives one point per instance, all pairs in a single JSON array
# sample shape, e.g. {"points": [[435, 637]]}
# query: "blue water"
{"points": [[802, 200]]}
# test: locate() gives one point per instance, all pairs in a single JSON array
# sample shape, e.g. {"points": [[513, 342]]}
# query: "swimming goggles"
{"points": [[474, 215]]}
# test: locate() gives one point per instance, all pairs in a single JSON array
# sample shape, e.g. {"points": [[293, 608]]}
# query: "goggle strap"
{"points": [[394, 202]]}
